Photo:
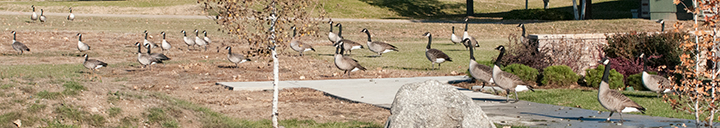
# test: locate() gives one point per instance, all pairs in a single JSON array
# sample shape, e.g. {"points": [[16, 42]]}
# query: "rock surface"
{"points": [[432, 104]]}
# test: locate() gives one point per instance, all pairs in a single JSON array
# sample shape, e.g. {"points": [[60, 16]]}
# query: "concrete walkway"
{"points": [[381, 92]]}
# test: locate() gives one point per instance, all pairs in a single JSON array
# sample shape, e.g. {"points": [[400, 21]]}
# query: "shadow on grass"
{"points": [[455, 11]]}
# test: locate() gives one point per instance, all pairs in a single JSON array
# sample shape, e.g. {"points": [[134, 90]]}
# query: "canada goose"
{"points": [[93, 64], [71, 17], [655, 83], [146, 41], [188, 40], [345, 63], [522, 26], [42, 16], [206, 39], [612, 99], [479, 71], [34, 16], [332, 36], [158, 56], [144, 58], [378, 46], [20, 47], [298, 45], [454, 38], [199, 41], [82, 46], [165, 45], [348, 45], [507, 81], [434, 55], [472, 42], [236, 58]]}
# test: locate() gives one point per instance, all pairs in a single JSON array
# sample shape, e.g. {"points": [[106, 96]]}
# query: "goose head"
{"points": [[501, 48], [427, 34]]}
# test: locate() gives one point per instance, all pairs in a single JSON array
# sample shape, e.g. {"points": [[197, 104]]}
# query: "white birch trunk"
{"points": [[276, 63]]}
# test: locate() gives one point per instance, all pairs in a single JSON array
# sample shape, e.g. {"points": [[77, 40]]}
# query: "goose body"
{"points": [[82, 46], [613, 100], [298, 45], [334, 38], [454, 38], [144, 58], [71, 17], [146, 41], [378, 47], [348, 45], [236, 58], [34, 16], [473, 43], [19, 47], [655, 83], [157, 56], [479, 71], [206, 38], [93, 64], [199, 41], [507, 81], [434, 55], [345, 63], [164, 44], [42, 16], [189, 41]]}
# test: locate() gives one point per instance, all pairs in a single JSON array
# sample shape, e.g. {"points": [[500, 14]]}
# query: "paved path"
{"points": [[381, 92]]}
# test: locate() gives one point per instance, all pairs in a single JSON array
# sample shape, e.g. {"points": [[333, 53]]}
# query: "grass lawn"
{"points": [[587, 99]]}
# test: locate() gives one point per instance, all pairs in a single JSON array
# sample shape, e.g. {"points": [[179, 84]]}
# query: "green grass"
{"points": [[587, 99], [34, 108], [114, 111], [72, 88], [49, 95], [41, 70]]}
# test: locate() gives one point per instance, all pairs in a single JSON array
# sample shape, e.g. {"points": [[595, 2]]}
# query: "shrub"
{"points": [[664, 45], [594, 76], [539, 14], [525, 73], [559, 75], [521, 51]]}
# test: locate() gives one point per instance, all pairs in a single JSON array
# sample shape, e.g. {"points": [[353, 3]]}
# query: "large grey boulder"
{"points": [[432, 104]]}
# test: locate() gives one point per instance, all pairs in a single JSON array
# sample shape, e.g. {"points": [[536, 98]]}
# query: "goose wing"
{"points": [[622, 100], [385, 45], [481, 72], [437, 54], [20, 46]]}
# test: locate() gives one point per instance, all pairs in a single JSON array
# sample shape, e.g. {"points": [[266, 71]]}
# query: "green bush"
{"points": [[635, 81], [594, 76], [559, 75], [539, 14], [525, 73]]}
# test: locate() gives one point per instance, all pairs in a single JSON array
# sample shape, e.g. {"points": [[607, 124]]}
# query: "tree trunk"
{"points": [[276, 71], [470, 8], [575, 10]]}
